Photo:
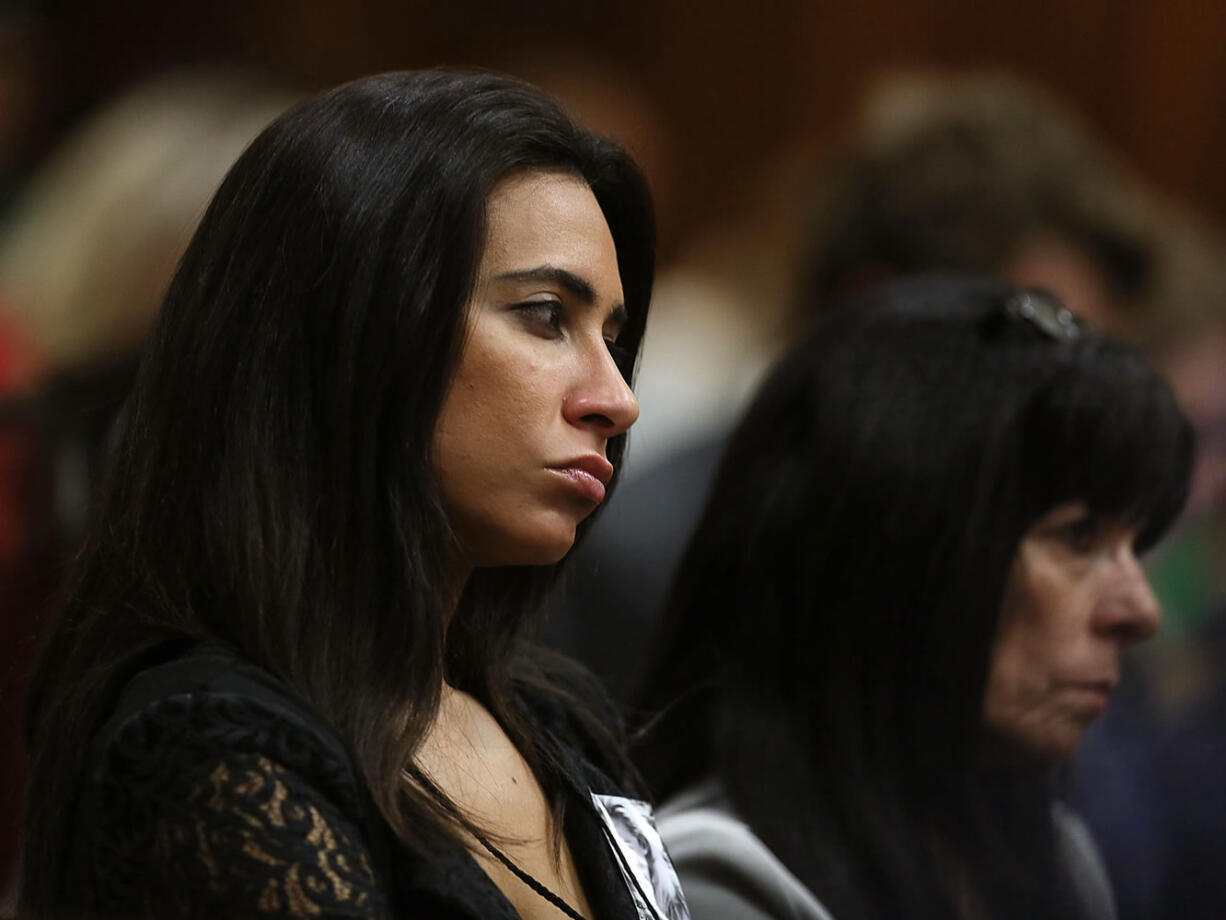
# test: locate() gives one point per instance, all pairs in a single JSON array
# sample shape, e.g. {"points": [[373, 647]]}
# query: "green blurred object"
{"points": [[1187, 575]]}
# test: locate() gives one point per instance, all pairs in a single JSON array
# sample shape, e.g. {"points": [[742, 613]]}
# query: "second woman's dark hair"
{"points": [[273, 488], [829, 634]]}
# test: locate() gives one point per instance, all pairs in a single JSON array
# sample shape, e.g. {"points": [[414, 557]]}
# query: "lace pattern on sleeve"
{"points": [[191, 829]]}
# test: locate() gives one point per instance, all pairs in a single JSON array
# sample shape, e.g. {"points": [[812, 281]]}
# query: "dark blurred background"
{"points": [[731, 84]]}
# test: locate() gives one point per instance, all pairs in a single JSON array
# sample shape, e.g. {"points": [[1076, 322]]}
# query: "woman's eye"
{"points": [[545, 315], [1082, 535]]}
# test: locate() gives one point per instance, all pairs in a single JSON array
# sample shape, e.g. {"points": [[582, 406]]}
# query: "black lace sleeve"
{"points": [[204, 810]]}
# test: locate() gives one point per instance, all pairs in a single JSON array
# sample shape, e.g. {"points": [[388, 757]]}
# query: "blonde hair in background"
{"points": [[1191, 280], [87, 251]]}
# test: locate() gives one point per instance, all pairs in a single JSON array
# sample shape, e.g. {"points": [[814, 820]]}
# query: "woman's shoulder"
{"points": [[207, 701], [1079, 855], [215, 789], [222, 683], [725, 868]]}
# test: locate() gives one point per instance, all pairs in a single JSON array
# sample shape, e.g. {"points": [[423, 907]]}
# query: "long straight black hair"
{"points": [[826, 648], [272, 488]]}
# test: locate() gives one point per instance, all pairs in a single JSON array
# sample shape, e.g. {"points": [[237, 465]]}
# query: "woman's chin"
{"points": [[1030, 750], [538, 547]]}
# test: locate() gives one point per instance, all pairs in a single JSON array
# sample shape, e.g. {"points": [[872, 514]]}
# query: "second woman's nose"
{"points": [[1129, 609]]}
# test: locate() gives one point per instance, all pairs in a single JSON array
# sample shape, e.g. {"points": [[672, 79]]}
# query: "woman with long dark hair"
{"points": [[906, 599], [388, 387]]}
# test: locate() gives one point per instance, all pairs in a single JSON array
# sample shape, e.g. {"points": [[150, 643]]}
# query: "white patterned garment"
{"points": [[648, 871]]}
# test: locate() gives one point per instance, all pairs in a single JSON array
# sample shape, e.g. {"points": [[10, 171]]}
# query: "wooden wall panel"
{"points": [[1171, 95], [734, 81]]}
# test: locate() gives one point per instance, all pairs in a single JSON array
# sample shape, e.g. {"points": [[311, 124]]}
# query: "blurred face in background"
{"points": [[1197, 374], [1059, 265], [1075, 598]]}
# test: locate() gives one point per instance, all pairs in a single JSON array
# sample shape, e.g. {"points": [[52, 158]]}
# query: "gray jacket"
{"points": [[727, 873]]}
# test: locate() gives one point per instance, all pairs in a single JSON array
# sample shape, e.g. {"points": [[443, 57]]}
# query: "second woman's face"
{"points": [[1075, 598], [520, 447]]}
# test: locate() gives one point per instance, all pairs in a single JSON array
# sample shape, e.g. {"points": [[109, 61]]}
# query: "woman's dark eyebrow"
{"points": [[569, 280]]}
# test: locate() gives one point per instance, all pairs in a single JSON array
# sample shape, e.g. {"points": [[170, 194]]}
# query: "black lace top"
{"points": [[215, 793]]}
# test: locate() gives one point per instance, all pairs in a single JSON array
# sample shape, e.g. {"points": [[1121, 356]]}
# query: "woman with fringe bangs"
{"points": [[387, 390], [907, 598]]}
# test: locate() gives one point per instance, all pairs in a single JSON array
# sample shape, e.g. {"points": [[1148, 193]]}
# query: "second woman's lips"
{"points": [[1093, 692], [590, 474]]}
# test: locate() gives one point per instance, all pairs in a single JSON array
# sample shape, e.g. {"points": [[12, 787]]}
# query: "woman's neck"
{"points": [[470, 758]]}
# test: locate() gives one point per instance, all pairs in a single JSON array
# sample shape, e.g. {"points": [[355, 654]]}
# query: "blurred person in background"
{"points": [[977, 173], [93, 238], [1188, 340], [86, 251], [981, 174], [1151, 779], [906, 599], [388, 387]]}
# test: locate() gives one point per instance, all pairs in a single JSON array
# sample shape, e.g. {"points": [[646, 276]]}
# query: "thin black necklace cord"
{"points": [[531, 882]]}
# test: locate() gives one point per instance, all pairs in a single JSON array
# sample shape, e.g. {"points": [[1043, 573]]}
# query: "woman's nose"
{"points": [[602, 399], [1129, 610]]}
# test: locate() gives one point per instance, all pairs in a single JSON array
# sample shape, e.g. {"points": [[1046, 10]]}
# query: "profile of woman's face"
{"points": [[520, 446], [1076, 596]]}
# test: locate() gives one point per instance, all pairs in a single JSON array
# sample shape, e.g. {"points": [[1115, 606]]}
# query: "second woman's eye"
{"points": [[1082, 535], [545, 316]]}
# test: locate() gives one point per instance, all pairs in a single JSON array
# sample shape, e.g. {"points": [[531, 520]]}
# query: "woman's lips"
{"points": [[1093, 693], [589, 474]]}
